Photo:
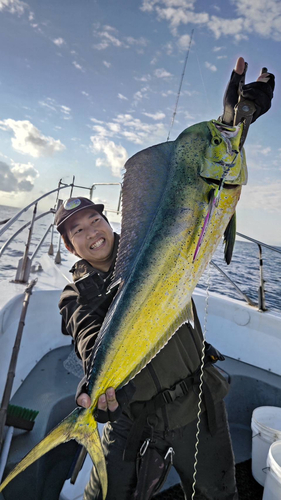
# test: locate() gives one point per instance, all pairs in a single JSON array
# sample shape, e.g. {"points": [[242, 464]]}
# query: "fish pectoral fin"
{"points": [[229, 239], [79, 425]]}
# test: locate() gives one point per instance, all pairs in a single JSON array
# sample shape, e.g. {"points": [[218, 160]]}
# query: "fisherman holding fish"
{"points": [[133, 321], [152, 420]]}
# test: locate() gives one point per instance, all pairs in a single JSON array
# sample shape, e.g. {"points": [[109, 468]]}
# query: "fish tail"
{"points": [[79, 425]]}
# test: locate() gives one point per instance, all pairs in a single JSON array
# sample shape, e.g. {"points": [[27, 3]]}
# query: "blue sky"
{"points": [[86, 84]]}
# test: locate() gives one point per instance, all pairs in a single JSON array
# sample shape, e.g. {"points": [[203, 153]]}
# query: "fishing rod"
{"points": [[181, 81]]}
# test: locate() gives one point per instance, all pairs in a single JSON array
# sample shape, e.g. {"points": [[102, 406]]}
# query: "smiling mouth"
{"points": [[97, 244]]}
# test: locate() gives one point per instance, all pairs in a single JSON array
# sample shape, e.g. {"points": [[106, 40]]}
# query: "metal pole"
{"points": [[91, 191], [261, 292], [51, 247], [13, 362], [119, 202], [232, 282], [72, 186], [274, 249], [7, 243], [40, 243], [23, 277], [79, 464], [58, 256]]}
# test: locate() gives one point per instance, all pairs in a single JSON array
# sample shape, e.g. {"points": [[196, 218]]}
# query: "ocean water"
{"points": [[243, 270]]}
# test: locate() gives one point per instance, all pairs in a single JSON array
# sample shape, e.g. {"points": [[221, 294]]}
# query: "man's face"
{"points": [[91, 237]]}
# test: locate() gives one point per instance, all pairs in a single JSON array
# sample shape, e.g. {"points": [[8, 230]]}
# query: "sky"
{"points": [[85, 84]]}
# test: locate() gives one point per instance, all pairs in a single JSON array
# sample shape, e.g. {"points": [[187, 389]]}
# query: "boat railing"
{"points": [[261, 290], [24, 264]]}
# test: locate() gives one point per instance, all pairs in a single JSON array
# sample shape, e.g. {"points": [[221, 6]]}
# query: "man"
{"points": [[170, 381]]}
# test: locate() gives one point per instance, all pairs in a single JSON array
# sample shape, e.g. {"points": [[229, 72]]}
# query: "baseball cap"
{"points": [[70, 207]]}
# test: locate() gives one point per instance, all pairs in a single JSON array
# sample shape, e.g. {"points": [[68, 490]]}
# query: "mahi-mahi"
{"points": [[167, 193]]}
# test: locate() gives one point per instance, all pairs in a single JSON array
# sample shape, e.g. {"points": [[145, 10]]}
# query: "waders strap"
{"points": [[142, 410]]}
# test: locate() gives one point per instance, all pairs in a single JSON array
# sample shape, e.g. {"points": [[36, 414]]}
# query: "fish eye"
{"points": [[216, 141]]}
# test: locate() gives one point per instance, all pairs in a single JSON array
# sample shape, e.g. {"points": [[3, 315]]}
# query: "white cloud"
{"points": [[107, 64], [229, 27], [162, 73], [18, 178], [210, 66], [85, 93], [249, 16], [156, 116], [109, 36], [184, 41], [132, 129], [221, 57], [78, 66], [144, 78], [167, 93], [65, 109], [29, 140], [142, 42], [141, 94], [122, 97], [52, 105], [13, 6], [59, 42], [262, 17], [153, 61], [217, 49], [114, 127], [114, 157], [100, 130], [96, 121]]}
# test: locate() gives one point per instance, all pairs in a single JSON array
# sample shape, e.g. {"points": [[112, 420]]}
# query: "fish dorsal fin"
{"points": [[144, 183]]}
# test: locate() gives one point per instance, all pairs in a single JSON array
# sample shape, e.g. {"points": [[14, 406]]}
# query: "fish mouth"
{"points": [[217, 183]]}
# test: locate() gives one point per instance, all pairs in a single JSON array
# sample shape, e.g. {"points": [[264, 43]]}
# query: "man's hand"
{"points": [[106, 401], [260, 92], [110, 406], [107, 408]]}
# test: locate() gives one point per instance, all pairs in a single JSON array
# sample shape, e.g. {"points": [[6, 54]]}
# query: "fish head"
{"points": [[214, 147]]}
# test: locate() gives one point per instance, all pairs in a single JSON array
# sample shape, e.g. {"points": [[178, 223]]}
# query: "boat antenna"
{"points": [[179, 91]]}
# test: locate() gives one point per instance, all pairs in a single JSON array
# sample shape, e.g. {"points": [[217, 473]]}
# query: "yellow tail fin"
{"points": [[79, 425]]}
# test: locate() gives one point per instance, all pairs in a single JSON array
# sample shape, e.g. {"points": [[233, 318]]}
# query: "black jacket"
{"points": [[83, 306]]}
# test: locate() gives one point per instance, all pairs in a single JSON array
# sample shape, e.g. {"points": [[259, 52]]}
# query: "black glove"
{"points": [[261, 93], [212, 354], [123, 396]]}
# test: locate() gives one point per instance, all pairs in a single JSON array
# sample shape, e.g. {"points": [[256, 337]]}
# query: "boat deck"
{"points": [[54, 398]]}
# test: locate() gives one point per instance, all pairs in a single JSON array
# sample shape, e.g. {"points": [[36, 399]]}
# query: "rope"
{"points": [[179, 91], [201, 385]]}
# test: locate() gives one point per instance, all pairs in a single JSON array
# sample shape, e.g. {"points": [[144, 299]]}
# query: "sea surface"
{"points": [[243, 270]]}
